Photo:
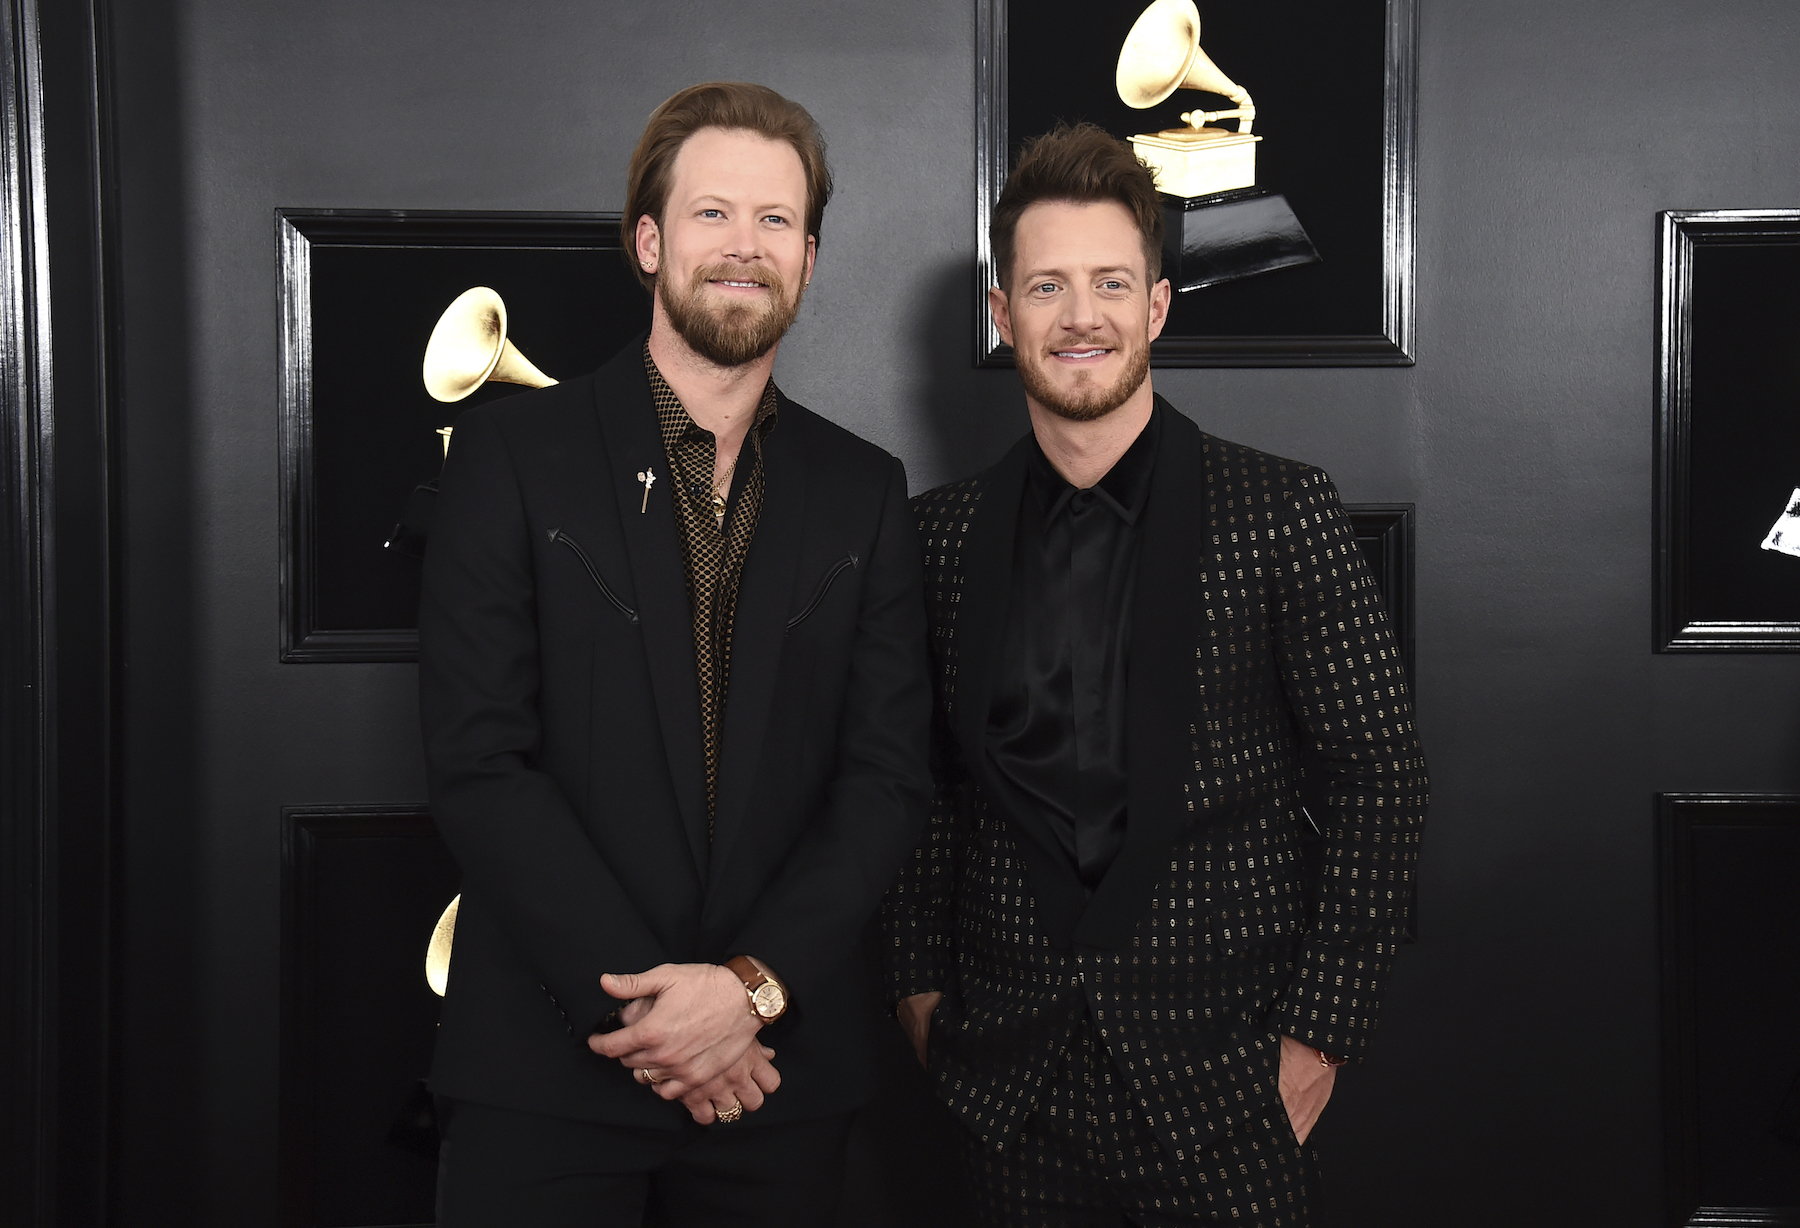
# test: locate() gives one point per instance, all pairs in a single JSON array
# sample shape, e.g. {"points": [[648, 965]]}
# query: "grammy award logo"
{"points": [[1217, 225], [1162, 54]]}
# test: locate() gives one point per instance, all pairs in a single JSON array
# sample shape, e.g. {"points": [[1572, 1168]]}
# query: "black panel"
{"points": [[362, 890], [1728, 437], [361, 294], [1384, 531], [1311, 76], [1333, 86], [1731, 1005]]}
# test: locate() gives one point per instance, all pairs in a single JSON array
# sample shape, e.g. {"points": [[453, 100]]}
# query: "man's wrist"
{"points": [[767, 993]]}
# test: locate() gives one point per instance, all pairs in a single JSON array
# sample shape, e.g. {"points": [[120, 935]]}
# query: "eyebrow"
{"points": [[1111, 270], [706, 197]]}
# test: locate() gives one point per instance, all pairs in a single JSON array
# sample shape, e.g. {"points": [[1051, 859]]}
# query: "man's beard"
{"points": [[1087, 400], [732, 334]]}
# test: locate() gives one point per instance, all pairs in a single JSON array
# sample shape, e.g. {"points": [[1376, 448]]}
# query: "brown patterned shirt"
{"points": [[714, 550]]}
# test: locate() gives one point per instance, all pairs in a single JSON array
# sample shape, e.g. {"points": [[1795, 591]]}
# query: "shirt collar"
{"points": [[1125, 488], [676, 427]]}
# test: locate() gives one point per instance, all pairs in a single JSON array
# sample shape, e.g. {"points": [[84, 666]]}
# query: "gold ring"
{"points": [[727, 1116], [648, 1077]]}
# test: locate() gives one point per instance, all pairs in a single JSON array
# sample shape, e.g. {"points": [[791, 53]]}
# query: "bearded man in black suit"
{"points": [[676, 706], [1130, 956]]}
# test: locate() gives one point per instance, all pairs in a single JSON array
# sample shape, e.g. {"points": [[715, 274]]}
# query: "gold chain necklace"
{"points": [[719, 489]]}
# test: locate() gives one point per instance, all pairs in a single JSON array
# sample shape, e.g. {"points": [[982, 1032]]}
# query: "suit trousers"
{"points": [[498, 1168], [1085, 1159]]}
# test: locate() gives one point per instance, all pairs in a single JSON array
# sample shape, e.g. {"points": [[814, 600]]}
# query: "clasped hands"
{"points": [[690, 1035]]}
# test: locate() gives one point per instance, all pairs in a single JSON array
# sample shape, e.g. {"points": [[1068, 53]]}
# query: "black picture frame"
{"points": [[359, 293], [1384, 531], [1729, 946], [1374, 324], [1726, 435], [362, 889]]}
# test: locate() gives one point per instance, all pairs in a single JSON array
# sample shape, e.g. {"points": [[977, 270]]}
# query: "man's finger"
{"points": [[636, 1045], [637, 984], [749, 1095], [765, 1077]]}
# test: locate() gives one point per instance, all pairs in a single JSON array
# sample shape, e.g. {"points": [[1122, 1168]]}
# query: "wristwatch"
{"points": [[768, 996]]}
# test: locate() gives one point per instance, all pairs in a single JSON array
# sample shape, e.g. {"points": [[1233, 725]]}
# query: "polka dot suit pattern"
{"points": [[1263, 672]]}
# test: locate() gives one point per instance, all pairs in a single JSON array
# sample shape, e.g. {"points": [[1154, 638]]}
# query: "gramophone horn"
{"points": [[437, 955], [469, 347], [1162, 54]]}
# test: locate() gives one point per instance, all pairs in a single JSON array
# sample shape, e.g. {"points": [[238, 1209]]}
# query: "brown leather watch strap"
{"points": [[746, 971]]}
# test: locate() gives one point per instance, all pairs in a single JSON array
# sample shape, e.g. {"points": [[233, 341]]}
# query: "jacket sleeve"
{"points": [[811, 917], [918, 912], [520, 845], [1341, 671]]}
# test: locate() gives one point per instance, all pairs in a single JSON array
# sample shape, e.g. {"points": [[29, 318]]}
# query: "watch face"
{"points": [[769, 999]]}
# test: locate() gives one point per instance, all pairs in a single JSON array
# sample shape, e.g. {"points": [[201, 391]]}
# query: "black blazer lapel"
{"points": [[658, 576], [982, 618], [1160, 685], [759, 625]]}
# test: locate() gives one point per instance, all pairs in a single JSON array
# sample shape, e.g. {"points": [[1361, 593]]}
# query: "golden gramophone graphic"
{"points": [[1218, 226], [1162, 54], [437, 954], [468, 348]]}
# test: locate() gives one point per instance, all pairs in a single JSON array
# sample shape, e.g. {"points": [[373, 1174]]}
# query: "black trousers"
{"points": [[503, 1169], [1085, 1159]]}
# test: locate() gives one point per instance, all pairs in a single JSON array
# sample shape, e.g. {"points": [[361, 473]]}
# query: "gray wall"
{"points": [[1516, 1076]]}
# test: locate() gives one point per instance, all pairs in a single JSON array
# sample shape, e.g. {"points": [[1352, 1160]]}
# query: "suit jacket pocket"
{"points": [[563, 539], [837, 568]]}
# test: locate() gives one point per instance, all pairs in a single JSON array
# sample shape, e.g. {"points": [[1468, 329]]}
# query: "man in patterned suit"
{"points": [[1130, 957]]}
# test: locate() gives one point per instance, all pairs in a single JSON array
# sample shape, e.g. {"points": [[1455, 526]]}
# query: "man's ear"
{"points": [[649, 244], [1001, 309], [1160, 294], [812, 257]]}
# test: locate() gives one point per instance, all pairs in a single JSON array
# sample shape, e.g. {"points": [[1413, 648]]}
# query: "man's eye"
{"points": [[711, 213], [776, 219], [1045, 287]]}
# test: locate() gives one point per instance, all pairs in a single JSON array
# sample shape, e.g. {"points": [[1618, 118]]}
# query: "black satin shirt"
{"points": [[1056, 723]]}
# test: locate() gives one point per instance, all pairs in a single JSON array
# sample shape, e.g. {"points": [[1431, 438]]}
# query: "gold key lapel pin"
{"points": [[648, 478]]}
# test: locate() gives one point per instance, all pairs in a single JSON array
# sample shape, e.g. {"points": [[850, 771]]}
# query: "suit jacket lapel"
{"points": [[658, 576], [1160, 684], [759, 626], [982, 615]]}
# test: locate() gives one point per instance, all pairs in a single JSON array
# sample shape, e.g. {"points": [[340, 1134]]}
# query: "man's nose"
{"points": [[743, 240], [1081, 310]]}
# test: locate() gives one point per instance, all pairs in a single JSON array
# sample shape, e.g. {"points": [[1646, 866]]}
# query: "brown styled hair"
{"points": [[717, 104], [1080, 164]]}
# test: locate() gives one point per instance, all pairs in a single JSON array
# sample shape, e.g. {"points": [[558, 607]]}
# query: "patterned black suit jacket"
{"points": [[1263, 669]]}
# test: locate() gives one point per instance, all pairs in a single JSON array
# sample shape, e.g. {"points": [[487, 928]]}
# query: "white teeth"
{"points": [[1078, 353], [746, 284]]}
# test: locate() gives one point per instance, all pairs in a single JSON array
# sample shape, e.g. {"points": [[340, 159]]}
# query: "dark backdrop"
{"points": [[1514, 1080]]}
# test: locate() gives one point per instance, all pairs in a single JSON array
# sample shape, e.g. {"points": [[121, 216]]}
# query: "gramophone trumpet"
{"points": [[437, 954], [1161, 55], [469, 347]]}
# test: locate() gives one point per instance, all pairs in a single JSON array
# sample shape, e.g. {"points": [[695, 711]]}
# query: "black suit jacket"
{"points": [[563, 744], [1262, 665]]}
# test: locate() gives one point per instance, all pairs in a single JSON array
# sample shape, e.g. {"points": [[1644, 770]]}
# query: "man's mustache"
{"points": [[737, 272]]}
